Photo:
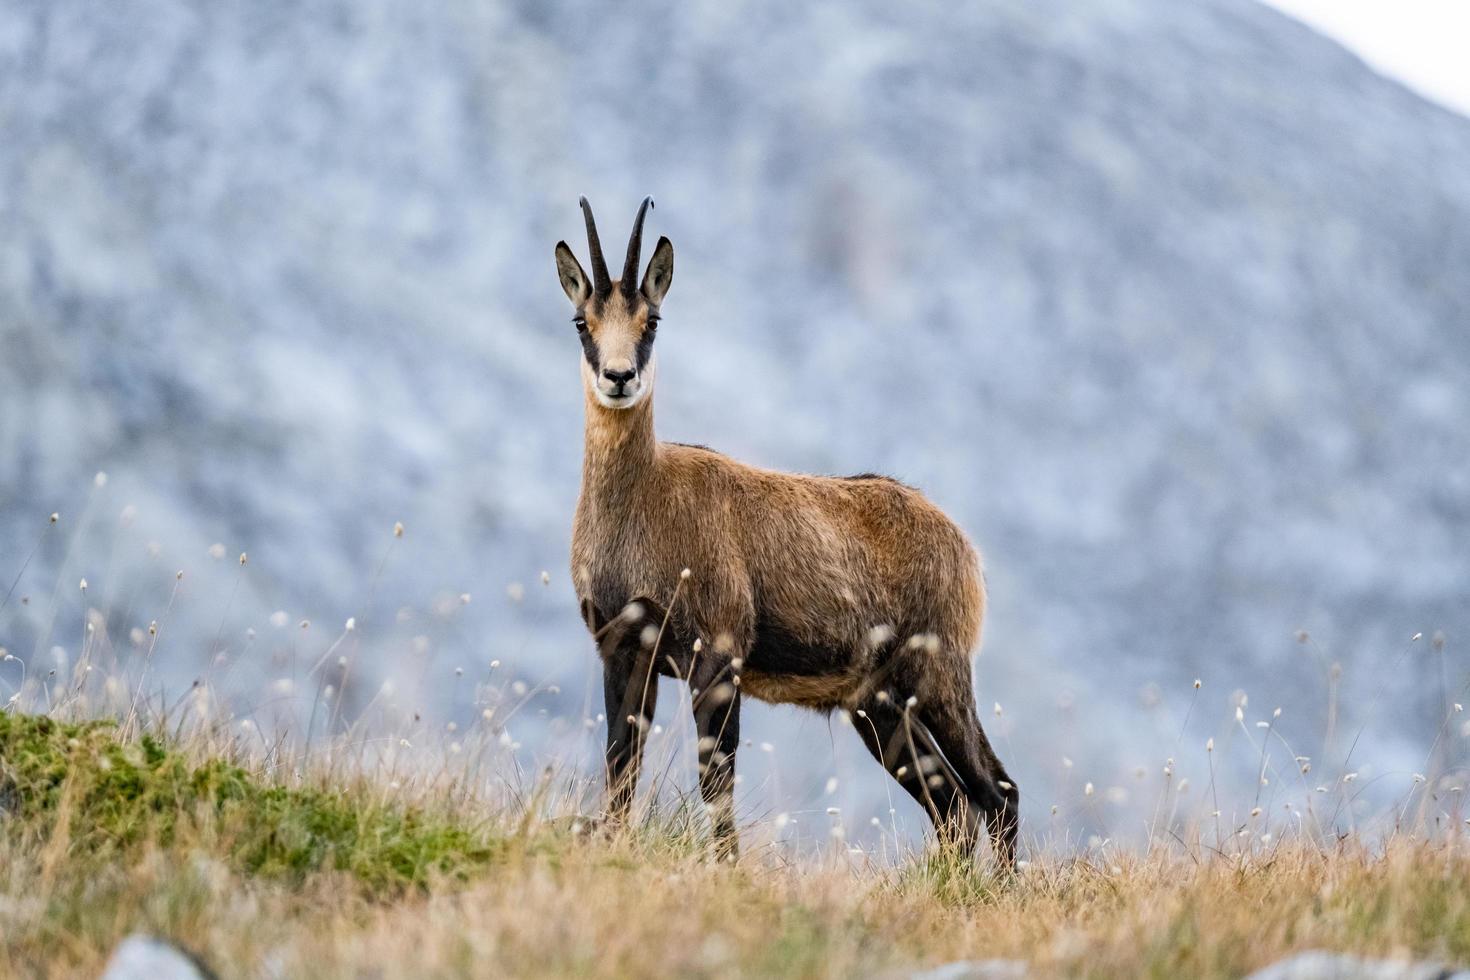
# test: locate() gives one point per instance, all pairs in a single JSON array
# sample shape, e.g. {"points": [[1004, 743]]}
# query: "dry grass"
{"points": [[323, 875], [314, 825]]}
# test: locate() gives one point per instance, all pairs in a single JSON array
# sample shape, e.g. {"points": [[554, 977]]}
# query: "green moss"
{"points": [[118, 796]]}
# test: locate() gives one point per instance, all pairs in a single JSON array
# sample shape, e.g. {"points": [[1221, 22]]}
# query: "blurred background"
{"points": [[1167, 303]]}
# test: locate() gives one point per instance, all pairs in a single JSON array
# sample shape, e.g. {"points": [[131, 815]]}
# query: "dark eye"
{"points": [[653, 323], [580, 323]]}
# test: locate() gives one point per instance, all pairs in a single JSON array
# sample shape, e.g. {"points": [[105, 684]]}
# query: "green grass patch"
{"points": [[79, 786]]}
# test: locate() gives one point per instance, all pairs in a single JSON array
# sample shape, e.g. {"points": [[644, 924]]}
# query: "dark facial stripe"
{"points": [[645, 345], [589, 350]]}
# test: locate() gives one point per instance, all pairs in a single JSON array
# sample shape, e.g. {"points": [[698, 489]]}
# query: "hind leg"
{"points": [[906, 748], [956, 727]]}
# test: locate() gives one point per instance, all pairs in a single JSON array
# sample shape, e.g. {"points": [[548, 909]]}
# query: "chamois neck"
{"points": [[620, 447]]}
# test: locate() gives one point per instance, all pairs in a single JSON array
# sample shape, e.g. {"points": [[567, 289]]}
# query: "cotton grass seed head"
{"points": [[398, 529]]}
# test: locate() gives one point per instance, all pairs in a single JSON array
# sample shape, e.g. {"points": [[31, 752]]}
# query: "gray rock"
{"points": [[1323, 965], [140, 957]]}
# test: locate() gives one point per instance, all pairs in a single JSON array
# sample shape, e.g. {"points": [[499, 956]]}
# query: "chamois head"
{"points": [[616, 319]]}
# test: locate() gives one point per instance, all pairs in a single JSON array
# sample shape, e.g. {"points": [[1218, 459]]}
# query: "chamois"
{"points": [[826, 592]]}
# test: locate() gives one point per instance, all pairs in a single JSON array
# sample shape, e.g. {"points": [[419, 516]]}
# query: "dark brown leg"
{"points": [[905, 747], [630, 693], [956, 728], [717, 725]]}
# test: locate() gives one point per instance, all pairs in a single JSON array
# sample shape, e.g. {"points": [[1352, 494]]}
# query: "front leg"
{"points": [[630, 692], [715, 693]]}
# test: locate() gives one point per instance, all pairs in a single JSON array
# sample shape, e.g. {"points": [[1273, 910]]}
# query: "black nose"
{"points": [[619, 377]]}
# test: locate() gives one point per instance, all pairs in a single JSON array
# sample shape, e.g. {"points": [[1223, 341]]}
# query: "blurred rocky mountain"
{"points": [[1166, 302]]}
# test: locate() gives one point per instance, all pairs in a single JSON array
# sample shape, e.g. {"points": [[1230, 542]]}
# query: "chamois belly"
{"points": [[783, 668]]}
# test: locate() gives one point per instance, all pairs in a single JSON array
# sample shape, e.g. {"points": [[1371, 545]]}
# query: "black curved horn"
{"points": [[601, 284], [629, 282]]}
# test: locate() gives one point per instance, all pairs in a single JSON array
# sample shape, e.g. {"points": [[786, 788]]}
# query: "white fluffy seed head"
{"points": [[398, 529]]}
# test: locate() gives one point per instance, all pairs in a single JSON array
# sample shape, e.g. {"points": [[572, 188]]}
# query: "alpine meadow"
{"points": [[1028, 537]]}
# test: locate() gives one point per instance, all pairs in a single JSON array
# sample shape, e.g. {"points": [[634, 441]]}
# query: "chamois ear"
{"points": [[660, 272], [573, 279]]}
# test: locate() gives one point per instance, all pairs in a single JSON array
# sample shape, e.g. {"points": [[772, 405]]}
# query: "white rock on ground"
{"points": [[147, 958], [1321, 965], [996, 969]]}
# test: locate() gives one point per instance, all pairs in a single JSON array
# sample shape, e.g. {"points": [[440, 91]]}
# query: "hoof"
{"points": [[578, 826]]}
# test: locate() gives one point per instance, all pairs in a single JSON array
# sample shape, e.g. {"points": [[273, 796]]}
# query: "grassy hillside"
{"points": [[332, 871]]}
